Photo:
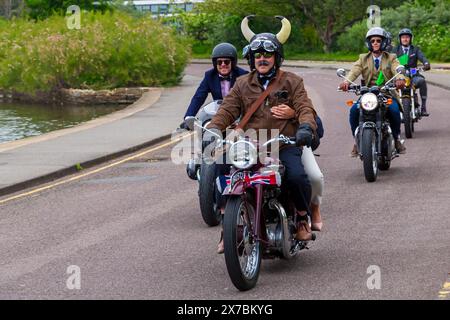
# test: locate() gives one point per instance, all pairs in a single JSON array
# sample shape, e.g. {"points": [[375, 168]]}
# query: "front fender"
{"points": [[238, 188]]}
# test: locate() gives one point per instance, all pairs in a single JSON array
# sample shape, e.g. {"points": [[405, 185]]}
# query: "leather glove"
{"points": [[426, 66], [400, 84], [304, 135], [344, 86], [187, 120], [184, 126]]}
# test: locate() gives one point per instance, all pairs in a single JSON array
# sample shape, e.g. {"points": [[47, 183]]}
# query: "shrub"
{"points": [[110, 50]]}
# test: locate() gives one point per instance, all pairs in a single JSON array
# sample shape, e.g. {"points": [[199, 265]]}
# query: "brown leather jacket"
{"points": [[247, 89]]}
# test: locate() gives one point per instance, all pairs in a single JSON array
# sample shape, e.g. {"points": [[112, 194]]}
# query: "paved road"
{"points": [[135, 231]]}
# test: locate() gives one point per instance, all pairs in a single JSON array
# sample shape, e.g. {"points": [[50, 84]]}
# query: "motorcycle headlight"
{"points": [[369, 102], [243, 154]]}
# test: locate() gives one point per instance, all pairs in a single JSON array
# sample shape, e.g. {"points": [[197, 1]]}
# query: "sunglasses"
{"points": [[267, 55], [375, 41], [226, 62], [267, 45]]}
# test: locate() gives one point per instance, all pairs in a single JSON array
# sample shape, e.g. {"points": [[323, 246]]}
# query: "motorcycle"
{"points": [[373, 137], [204, 173], [259, 220], [411, 108]]}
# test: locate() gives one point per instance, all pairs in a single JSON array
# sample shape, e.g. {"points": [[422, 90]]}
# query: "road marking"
{"points": [[444, 293], [78, 177]]}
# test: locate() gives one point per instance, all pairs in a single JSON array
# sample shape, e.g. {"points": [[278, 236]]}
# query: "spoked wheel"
{"points": [[409, 125], [242, 251], [369, 153], [206, 194]]}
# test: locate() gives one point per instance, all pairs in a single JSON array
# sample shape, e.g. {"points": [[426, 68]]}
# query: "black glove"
{"points": [[304, 135], [184, 126], [426, 66]]}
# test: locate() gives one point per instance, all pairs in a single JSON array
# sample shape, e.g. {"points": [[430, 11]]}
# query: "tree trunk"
{"points": [[6, 8], [327, 37]]}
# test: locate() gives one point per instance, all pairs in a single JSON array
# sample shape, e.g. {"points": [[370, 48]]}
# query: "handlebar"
{"points": [[281, 138]]}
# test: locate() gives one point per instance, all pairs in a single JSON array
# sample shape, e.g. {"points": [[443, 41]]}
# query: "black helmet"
{"points": [[224, 50], [405, 31], [377, 32], [246, 53], [389, 41], [268, 42]]}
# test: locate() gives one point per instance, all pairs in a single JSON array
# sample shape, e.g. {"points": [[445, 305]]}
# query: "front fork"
{"points": [[260, 232]]}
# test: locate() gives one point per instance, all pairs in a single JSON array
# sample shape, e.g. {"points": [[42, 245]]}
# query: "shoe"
{"points": [[220, 246], [303, 229], [354, 152], [401, 149], [316, 219], [424, 113]]}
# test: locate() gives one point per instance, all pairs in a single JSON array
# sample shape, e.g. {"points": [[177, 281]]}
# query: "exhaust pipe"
{"points": [[286, 241]]}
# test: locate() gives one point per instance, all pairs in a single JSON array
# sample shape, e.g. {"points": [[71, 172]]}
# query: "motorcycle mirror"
{"points": [[400, 69], [341, 73], [190, 121]]}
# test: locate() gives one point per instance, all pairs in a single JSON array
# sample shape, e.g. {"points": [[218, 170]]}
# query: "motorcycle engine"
{"points": [[274, 234]]}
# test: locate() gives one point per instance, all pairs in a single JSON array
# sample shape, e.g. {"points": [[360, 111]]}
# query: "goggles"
{"points": [[267, 45]]}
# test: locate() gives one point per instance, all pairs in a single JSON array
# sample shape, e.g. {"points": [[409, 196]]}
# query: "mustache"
{"points": [[263, 63]]}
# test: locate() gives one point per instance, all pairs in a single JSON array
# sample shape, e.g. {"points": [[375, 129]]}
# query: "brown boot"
{"points": [[303, 229], [354, 152], [220, 246], [316, 219]]}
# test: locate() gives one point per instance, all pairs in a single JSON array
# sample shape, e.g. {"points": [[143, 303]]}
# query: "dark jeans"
{"points": [[295, 178], [421, 84], [393, 115]]}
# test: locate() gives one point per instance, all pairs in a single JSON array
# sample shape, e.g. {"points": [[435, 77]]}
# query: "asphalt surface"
{"points": [[135, 230]]}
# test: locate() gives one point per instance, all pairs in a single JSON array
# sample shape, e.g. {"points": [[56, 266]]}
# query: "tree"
{"points": [[9, 8], [41, 9], [329, 17]]}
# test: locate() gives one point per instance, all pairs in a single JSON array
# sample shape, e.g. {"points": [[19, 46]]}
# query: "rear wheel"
{"points": [[242, 250], [369, 154]]}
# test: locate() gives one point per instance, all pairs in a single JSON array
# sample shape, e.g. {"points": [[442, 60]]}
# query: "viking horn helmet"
{"points": [[281, 36]]}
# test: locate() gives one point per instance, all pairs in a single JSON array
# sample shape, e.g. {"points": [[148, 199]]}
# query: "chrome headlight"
{"points": [[243, 154], [369, 102]]}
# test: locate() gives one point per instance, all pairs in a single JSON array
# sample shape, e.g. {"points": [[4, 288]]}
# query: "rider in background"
{"points": [[408, 56], [376, 67], [218, 80]]}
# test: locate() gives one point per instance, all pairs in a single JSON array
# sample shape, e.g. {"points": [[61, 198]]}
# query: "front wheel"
{"points": [[369, 154], [242, 250], [207, 189], [409, 126]]}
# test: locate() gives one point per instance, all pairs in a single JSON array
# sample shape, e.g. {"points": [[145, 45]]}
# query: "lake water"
{"points": [[18, 121]]}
